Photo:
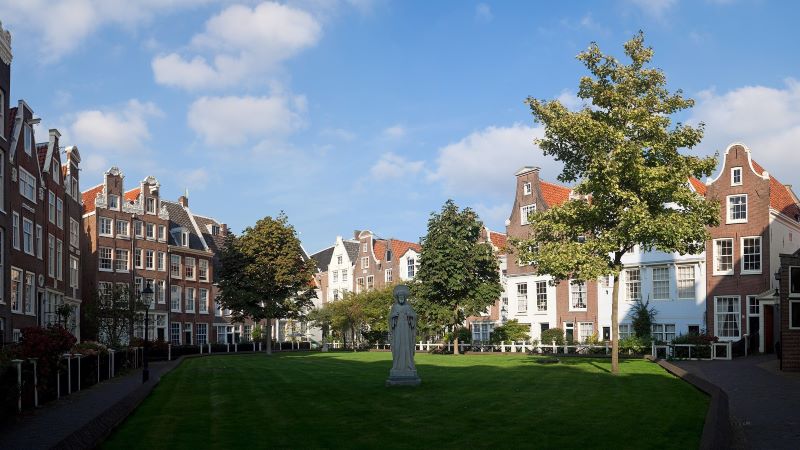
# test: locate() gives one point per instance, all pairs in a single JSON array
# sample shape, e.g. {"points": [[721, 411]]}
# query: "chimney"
{"points": [[184, 199], [224, 228], [54, 135]]}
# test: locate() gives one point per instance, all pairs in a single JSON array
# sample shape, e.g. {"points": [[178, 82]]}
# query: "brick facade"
{"points": [[790, 312]]}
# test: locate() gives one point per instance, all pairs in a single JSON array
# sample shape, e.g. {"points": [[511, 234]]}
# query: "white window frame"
{"points": [[738, 312], [661, 282], [150, 205], [526, 188], [15, 239], [572, 292], [734, 172], [202, 301], [202, 270], [16, 296], [793, 303], [59, 259], [717, 257], [388, 275], [178, 274], [100, 221], [51, 206], [522, 297], [541, 296], [175, 298], [26, 180], [692, 281], [729, 209], [51, 256], [119, 260], [189, 264], [74, 272], [581, 334], [28, 245], [60, 213], [74, 233], [161, 264], [125, 228], [793, 294], [633, 284], [524, 212], [760, 255], [113, 202], [365, 262]]}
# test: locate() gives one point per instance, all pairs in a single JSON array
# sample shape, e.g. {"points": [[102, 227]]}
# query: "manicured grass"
{"points": [[338, 400]]}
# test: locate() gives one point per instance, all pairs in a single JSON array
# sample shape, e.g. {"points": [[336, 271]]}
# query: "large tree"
{"points": [[632, 166], [264, 275], [458, 275], [112, 315]]}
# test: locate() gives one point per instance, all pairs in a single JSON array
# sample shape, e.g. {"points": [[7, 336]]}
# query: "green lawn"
{"points": [[339, 400]]}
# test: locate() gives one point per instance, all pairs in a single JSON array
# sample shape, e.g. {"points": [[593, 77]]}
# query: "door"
{"points": [[754, 330], [606, 333], [160, 334], [769, 321], [569, 332]]}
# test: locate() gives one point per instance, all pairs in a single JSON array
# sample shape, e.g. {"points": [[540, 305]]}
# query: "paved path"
{"points": [[764, 402], [56, 421]]}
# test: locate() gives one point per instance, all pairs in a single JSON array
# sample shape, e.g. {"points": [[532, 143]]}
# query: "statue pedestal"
{"points": [[403, 378]]}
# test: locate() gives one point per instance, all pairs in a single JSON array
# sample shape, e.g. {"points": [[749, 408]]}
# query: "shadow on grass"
{"points": [[337, 400]]}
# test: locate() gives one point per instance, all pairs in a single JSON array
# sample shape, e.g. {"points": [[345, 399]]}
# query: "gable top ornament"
{"points": [[5, 45]]}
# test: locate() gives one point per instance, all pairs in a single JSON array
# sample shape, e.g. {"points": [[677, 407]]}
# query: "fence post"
{"points": [[606, 347], [18, 363], [35, 382], [653, 350], [69, 373], [209, 348], [554, 347], [201, 349], [169, 351], [235, 347], [98, 367], [111, 373], [79, 370], [228, 347]]}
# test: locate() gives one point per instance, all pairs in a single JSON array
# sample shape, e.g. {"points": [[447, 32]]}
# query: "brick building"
{"points": [[789, 330], [7, 121], [382, 262]]}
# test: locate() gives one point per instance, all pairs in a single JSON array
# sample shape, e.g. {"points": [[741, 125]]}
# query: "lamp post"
{"points": [[147, 295]]}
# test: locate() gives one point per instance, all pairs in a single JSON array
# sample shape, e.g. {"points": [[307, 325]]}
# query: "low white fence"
{"points": [[715, 350]]}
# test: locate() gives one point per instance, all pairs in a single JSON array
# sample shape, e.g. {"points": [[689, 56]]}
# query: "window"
{"points": [[751, 254], [175, 266], [150, 231], [522, 297], [625, 330], [663, 332], [364, 248], [51, 256], [339, 259], [370, 282], [16, 290], [51, 206], [481, 331], [189, 299], [27, 236], [103, 254], [30, 293], [794, 314], [113, 201], [189, 266], [2, 158], [794, 281], [344, 274], [56, 172], [137, 287], [39, 241], [161, 291], [162, 233], [162, 261], [723, 256], [541, 295], [736, 176], [365, 262], [202, 334], [411, 267], [577, 295], [59, 259], [74, 232], [203, 301], [215, 229], [122, 228], [15, 231], [151, 205], [727, 314], [585, 330], [28, 139], [175, 298], [526, 188], [661, 283], [27, 185], [137, 258], [149, 260], [175, 333], [60, 213], [2, 269], [525, 212], [185, 238], [753, 306], [694, 329], [336, 294], [73, 272], [388, 275], [104, 226], [335, 276], [359, 284], [217, 310], [138, 228], [633, 285], [737, 208], [76, 192], [121, 262], [686, 287]]}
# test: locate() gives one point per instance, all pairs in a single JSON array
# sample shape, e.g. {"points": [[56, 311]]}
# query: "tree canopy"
{"points": [[458, 275], [630, 164], [264, 274]]}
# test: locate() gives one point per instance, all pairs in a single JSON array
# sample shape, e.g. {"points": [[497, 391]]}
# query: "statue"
{"points": [[403, 329]]}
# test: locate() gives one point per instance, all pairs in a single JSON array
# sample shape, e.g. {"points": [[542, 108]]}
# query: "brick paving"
{"points": [[82, 419], [764, 402]]}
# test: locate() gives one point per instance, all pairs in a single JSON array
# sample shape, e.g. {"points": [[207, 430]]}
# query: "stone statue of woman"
{"points": [[403, 329]]}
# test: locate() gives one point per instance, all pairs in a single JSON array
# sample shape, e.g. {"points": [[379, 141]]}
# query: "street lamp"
{"points": [[147, 295]]}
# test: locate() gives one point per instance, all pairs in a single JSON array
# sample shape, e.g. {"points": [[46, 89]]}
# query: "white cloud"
{"points": [[766, 119], [197, 179], [654, 8], [240, 42], [483, 13], [484, 162], [395, 131], [229, 121], [391, 166], [494, 216], [78, 19], [339, 133]]}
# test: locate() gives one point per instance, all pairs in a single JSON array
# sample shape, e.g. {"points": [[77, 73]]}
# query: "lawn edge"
{"points": [[717, 429]]}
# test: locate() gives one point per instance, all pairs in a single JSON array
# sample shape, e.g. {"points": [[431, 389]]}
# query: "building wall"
{"points": [[339, 282], [789, 336], [5, 186]]}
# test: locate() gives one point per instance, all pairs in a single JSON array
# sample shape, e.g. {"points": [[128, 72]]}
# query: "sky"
{"points": [[369, 114]]}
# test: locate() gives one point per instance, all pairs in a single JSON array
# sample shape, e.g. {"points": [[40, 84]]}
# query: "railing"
{"points": [[714, 350]]}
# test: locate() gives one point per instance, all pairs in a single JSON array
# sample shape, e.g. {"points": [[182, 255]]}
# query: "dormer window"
{"points": [[526, 211], [526, 188], [28, 139], [215, 230], [113, 201], [736, 176], [184, 238]]}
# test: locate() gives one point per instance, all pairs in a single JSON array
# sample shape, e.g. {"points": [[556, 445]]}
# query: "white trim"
{"points": [[793, 302], [792, 295], [765, 176], [733, 172], [716, 323], [760, 255], [714, 270], [728, 218]]}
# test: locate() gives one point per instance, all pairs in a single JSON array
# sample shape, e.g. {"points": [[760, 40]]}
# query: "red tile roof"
{"points": [[698, 186], [498, 239], [780, 197], [88, 198], [133, 194], [554, 194], [399, 248]]}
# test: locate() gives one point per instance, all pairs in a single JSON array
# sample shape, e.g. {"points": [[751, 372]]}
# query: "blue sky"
{"points": [[369, 114]]}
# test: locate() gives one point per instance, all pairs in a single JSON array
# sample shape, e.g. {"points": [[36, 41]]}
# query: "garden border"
{"points": [[717, 429]]}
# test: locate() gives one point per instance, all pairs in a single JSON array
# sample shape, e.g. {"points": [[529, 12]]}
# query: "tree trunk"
{"points": [[353, 335], [269, 336], [455, 345], [615, 325]]}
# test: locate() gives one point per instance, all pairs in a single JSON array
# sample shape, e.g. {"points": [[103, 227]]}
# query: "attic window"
{"points": [[526, 188], [388, 255], [151, 205], [113, 201], [736, 176], [185, 238], [56, 172], [215, 230], [28, 139]]}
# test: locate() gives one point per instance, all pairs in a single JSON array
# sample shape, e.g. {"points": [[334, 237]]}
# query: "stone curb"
{"points": [[717, 429], [92, 434]]}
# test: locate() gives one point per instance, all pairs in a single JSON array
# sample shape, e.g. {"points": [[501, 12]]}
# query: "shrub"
{"points": [[89, 348], [463, 334], [635, 344], [46, 344], [553, 334], [642, 316], [511, 331]]}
